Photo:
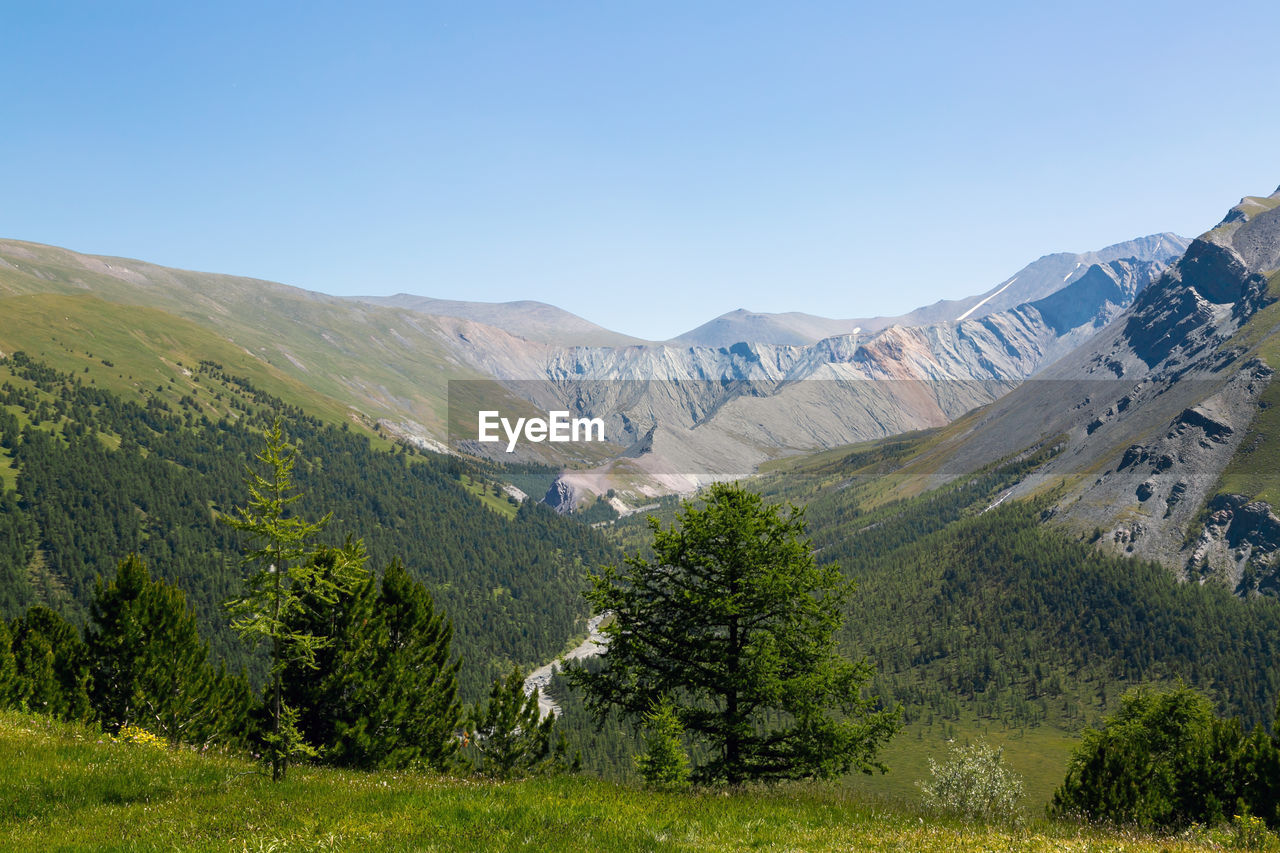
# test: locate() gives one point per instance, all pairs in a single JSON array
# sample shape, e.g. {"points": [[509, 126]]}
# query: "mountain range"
{"points": [[1147, 364], [1015, 488], [1034, 281], [388, 361], [682, 416]]}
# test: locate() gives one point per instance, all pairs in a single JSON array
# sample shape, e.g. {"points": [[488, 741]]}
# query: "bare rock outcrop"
{"points": [[1239, 544]]}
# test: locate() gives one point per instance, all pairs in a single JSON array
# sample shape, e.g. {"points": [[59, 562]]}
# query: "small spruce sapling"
{"points": [[664, 764]]}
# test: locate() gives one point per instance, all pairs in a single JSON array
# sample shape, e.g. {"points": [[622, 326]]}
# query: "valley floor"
{"points": [[69, 788]]}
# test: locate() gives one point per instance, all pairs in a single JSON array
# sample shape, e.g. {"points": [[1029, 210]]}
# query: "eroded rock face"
{"points": [[1098, 296], [562, 496], [1154, 408], [1182, 312], [1240, 545], [1156, 487]]}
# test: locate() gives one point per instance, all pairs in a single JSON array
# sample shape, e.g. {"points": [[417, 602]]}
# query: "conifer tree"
{"points": [[230, 711], [385, 691], [280, 545], [507, 734], [8, 669], [409, 698], [149, 666], [1258, 772], [736, 622], [323, 695], [664, 764], [1149, 763], [51, 665]]}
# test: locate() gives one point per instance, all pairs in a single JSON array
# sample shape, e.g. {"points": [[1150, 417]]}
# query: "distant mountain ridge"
{"points": [[1035, 281], [535, 321], [691, 415], [389, 361]]}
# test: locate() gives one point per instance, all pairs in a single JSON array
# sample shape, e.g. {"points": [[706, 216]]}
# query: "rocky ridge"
{"points": [[1152, 411]]}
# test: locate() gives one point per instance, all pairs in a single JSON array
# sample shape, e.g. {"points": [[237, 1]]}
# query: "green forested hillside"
{"points": [[970, 605], [96, 476], [977, 615]]}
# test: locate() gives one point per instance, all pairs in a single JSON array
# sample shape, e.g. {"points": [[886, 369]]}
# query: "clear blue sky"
{"points": [[648, 165]]}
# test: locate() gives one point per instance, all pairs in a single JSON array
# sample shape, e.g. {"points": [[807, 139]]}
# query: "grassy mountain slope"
{"points": [[388, 363], [341, 358], [535, 321], [129, 348]]}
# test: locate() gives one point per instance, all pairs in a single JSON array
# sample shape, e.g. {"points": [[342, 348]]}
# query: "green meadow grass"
{"points": [[68, 788], [1038, 755], [8, 474]]}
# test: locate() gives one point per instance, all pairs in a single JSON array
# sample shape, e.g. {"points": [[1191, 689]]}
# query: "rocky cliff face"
{"points": [[1154, 410], [1238, 545]]}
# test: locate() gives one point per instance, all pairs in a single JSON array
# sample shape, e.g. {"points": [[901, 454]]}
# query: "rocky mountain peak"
{"points": [[1158, 406], [1246, 210]]}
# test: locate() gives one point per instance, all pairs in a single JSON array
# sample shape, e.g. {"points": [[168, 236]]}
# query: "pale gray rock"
{"points": [[703, 413]]}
